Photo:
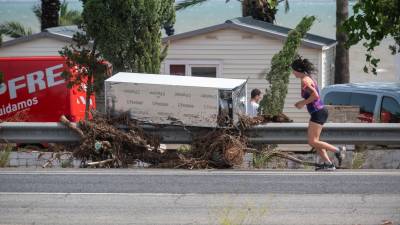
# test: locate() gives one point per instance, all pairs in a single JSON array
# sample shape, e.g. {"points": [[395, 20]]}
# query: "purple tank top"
{"points": [[317, 104]]}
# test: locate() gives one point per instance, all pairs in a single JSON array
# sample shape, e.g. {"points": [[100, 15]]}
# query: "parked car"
{"points": [[378, 101]]}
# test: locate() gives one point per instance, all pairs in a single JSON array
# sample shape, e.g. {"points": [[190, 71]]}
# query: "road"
{"points": [[198, 197]]}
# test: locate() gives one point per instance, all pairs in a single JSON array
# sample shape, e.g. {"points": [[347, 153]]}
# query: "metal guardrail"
{"points": [[273, 133]]}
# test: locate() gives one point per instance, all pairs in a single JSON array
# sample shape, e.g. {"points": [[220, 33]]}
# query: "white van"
{"points": [[378, 101]]}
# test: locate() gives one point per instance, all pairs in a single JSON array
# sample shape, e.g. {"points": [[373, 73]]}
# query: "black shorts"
{"points": [[320, 116]]}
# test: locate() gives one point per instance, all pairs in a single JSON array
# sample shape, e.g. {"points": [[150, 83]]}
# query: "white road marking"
{"points": [[207, 173], [118, 193]]}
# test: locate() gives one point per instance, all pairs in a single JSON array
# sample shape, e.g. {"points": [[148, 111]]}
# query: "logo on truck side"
{"points": [[33, 82]]}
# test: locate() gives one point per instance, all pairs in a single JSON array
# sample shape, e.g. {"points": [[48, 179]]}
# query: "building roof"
{"points": [[251, 25], [64, 33], [248, 24]]}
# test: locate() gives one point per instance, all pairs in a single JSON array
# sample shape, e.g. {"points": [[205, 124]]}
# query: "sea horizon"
{"points": [[206, 14], [215, 12]]}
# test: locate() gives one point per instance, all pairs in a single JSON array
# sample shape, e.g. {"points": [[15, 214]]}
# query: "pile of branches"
{"points": [[120, 141], [114, 142], [225, 147], [220, 148], [245, 122]]}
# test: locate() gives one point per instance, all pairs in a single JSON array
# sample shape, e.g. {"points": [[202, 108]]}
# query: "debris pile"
{"points": [[246, 122], [221, 148], [116, 142], [119, 142]]}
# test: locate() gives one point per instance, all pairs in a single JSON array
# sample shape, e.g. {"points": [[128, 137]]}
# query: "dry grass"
{"points": [[5, 151]]}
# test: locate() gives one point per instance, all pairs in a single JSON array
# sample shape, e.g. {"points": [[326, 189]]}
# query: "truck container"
{"points": [[181, 100], [34, 86]]}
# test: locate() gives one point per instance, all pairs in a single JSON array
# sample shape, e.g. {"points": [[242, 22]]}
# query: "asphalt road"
{"points": [[198, 197]]}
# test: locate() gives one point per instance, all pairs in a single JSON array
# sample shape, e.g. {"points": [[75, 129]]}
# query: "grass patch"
{"points": [[260, 160], [359, 159], [5, 153], [184, 149], [68, 163], [245, 214]]}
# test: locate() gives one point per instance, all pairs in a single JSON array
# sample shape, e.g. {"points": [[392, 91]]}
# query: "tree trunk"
{"points": [[90, 80], [50, 14], [259, 10], [342, 74], [88, 95]]}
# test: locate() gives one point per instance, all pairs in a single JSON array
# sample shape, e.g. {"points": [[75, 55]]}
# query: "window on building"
{"points": [[177, 70], [196, 68], [390, 110], [204, 71]]}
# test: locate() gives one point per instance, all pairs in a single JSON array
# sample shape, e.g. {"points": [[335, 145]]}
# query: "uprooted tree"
{"points": [[86, 68], [279, 74], [105, 144]]}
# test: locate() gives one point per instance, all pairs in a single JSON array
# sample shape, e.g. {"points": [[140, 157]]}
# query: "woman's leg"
{"points": [[314, 132], [324, 155]]}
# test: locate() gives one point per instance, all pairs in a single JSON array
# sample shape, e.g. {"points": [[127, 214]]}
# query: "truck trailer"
{"points": [[177, 100]]}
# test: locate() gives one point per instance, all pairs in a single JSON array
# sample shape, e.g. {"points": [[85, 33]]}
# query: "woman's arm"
{"points": [[308, 85]]}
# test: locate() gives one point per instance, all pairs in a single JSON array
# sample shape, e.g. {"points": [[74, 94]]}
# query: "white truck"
{"points": [[181, 100]]}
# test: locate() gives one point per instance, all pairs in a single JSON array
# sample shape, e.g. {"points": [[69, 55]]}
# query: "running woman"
{"points": [[303, 69]]}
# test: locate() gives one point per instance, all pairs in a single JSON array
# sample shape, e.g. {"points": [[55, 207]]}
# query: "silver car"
{"points": [[378, 101]]}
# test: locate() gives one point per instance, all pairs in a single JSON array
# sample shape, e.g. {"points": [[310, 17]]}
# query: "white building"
{"points": [[243, 48]]}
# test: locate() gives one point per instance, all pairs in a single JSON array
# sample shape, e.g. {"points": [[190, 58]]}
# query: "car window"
{"points": [[365, 101], [390, 110], [337, 98], [367, 105]]}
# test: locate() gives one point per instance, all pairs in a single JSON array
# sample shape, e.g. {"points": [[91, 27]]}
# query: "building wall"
{"points": [[243, 55], [329, 66], [38, 47]]}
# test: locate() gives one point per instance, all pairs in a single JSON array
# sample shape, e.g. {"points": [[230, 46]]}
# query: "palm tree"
{"points": [[264, 10], [342, 74], [14, 29], [69, 17], [66, 17], [50, 16]]}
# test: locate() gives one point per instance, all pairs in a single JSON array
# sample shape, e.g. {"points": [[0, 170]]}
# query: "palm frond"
{"points": [[188, 3], [14, 29], [69, 17]]}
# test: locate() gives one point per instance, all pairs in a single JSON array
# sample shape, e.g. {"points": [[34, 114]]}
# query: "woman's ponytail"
{"points": [[303, 65]]}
